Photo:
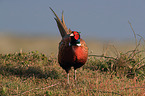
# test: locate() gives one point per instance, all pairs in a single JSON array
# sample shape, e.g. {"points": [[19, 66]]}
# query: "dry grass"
{"points": [[39, 75]]}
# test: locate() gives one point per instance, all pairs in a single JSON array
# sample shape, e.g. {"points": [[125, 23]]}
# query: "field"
{"points": [[28, 66]]}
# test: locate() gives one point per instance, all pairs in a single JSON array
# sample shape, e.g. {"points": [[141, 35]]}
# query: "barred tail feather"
{"points": [[61, 24]]}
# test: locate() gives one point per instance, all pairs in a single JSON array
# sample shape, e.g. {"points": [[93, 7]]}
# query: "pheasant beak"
{"points": [[71, 34]]}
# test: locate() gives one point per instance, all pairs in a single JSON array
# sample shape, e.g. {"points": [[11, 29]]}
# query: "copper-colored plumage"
{"points": [[73, 51]]}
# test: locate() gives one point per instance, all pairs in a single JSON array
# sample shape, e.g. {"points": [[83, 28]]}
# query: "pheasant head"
{"points": [[75, 38]]}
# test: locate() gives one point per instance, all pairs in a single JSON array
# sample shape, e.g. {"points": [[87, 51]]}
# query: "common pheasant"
{"points": [[73, 51]]}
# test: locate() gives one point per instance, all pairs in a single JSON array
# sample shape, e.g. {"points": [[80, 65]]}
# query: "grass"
{"points": [[33, 73]]}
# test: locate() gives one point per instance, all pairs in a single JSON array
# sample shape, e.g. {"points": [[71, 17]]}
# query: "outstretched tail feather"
{"points": [[62, 19], [61, 24]]}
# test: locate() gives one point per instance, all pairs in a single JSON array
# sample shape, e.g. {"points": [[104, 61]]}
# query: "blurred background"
{"points": [[30, 25]]}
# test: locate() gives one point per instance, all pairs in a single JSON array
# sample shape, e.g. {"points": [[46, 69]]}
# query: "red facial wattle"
{"points": [[76, 35]]}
